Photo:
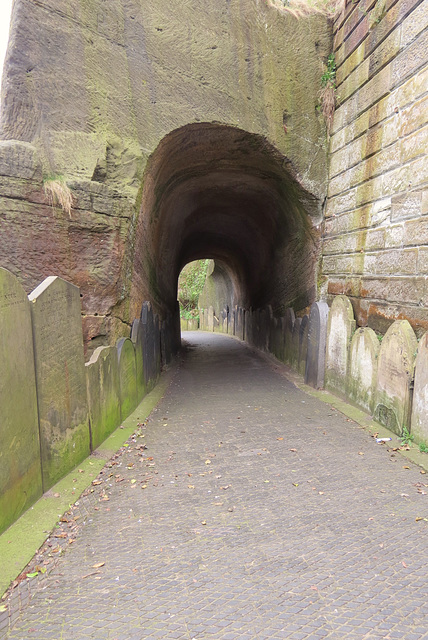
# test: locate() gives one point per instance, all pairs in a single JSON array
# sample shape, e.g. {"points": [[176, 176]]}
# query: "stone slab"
{"points": [[317, 336], [419, 423], [288, 334], [303, 344], [395, 376], [127, 377], [20, 467], [137, 338], [362, 371], [102, 382], [60, 377], [340, 328], [295, 343]]}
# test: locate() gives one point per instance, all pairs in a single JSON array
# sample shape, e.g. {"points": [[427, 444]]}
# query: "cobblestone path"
{"points": [[256, 512]]}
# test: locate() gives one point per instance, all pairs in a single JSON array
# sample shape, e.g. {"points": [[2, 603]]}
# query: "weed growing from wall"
{"points": [[328, 97], [58, 193]]}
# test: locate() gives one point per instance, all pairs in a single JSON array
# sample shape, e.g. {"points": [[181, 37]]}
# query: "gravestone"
{"points": [[127, 377], [102, 381], [60, 377], [210, 319], [137, 338], [420, 394], [303, 344], [395, 375], [362, 370], [148, 341], [205, 319], [317, 335], [295, 343], [289, 319], [340, 328], [20, 467]]}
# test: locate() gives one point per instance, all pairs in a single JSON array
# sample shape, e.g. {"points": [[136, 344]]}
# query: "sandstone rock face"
{"points": [[183, 131]]}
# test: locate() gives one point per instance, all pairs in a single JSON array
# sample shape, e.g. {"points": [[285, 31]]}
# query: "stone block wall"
{"points": [[375, 247]]}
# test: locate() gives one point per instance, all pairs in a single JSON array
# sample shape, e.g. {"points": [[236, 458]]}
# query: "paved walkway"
{"points": [[256, 512]]}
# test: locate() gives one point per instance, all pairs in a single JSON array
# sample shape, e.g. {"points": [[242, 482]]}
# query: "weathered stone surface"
{"points": [[362, 370], [419, 422], [303, 344], [288, 333], [149, 340], [295, 343], [127, 377], [395, 374], [20, 467], [60, 375], [317, 336], [19, 160], [341, 326], [102, 381], [137, 338]]}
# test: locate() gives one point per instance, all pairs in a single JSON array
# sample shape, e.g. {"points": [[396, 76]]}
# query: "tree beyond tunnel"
{"points": [[214, 191]]}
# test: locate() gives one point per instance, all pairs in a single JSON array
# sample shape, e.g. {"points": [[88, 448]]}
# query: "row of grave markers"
{"points": [[385, 376], [55, 408]]}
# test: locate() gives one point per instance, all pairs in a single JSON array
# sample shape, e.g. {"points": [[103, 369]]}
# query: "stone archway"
{"points": [[216, 191]]}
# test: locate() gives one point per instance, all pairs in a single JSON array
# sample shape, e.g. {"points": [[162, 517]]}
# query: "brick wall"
{"points": [[375, 247]]}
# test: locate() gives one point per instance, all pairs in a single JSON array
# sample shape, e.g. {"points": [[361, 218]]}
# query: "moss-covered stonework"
{"points": [[103, 110], [362, 369], [341, 326], [419, 423], [60, 377], [395, 375], [102, 381], [20, 469]]}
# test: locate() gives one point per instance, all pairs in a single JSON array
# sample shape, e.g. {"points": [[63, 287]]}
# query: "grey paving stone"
{"points": [[310, 548]]}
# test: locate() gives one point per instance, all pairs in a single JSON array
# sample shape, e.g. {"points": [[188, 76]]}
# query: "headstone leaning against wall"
{"points": [[127, 377], [60, 376], [20, 468], [102, 380], [362, 370], [137, 339], [288, 334], [295, 343], [317, 335], [303, 344], [340, 327], [395, 374], [420, 393]]}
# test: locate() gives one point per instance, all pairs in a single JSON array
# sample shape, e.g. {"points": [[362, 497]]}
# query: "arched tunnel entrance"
{"points": [[216, 191]]}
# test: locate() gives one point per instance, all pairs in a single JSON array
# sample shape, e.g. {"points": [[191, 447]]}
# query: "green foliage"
{"points": [[190, 284], [328, 78], [407, 437], [423, 448]]}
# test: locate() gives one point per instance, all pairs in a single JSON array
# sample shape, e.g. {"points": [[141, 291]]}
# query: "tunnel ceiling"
{"points": [[213, 191]]}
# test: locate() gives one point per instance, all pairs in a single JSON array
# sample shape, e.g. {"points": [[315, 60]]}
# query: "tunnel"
{"points": [[216, 191]]}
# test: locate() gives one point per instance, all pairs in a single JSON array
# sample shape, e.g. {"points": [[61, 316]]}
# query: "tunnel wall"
{"points": [[375, 247]]}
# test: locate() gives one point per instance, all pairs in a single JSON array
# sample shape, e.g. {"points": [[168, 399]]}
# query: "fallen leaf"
{"points": [[294, 450], [190, 486], [360, 453], [133, 481], [204, 522], [280, 438], [207, 461], [3, 608], [32, 575], [98, 565], [95, 482], [314, 588], [295, 484], [405, 467], [144, 486], [404, 564]]}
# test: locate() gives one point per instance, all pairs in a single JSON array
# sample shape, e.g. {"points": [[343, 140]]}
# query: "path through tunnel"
{"points": [[218, 192]]}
